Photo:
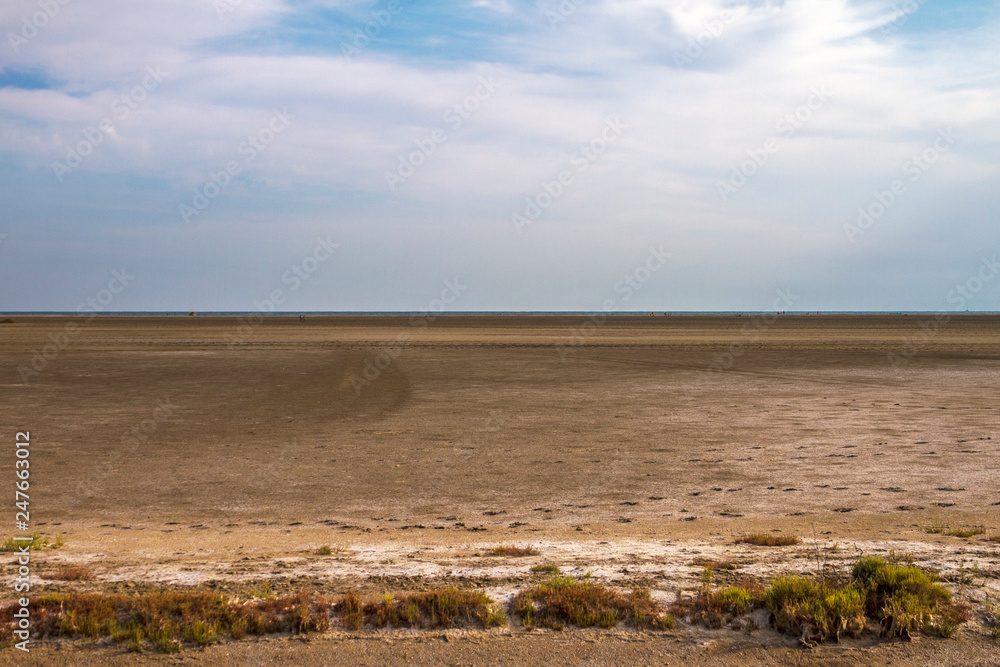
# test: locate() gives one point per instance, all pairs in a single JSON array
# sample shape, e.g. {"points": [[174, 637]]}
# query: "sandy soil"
{"points": [[196, 451]]}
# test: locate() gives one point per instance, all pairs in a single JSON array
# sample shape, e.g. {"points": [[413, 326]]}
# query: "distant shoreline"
{"points": [[487, 313]]}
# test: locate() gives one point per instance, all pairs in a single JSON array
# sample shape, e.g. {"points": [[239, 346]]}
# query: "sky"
{"points": [[499, 155]]}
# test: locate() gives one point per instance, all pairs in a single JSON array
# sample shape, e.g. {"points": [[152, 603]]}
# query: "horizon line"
{"points": [[660, 313]]}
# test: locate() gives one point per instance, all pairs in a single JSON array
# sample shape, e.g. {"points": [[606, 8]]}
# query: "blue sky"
{"points": [[534, 152]]}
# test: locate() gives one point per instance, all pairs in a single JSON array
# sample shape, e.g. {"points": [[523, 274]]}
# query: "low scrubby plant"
{"points": [[350, 611], [935, 528], [511, 551], [496, 618], [563, 601], [202, 633], [816, 612], [72, 573], [966, 532], [37, 543], [441, 608], [715, 564], [901, 599], [263, 592], [906, 599], [993, 619], [716, 608], [164, 618], [769, 540]]}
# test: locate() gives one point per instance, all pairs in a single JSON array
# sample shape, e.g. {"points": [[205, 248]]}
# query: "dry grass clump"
{"points": [[511, 551], [937, 528], [442, 608], [563, 601], [769, 540], [901, 599], [351, 611], [715, 564], [994, 538], [72, 573], [966, 532], [547, 568], [37, 543], [167, 619]]}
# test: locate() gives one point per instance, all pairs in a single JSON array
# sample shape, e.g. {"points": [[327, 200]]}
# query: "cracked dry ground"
{"points": [[633, 451]]}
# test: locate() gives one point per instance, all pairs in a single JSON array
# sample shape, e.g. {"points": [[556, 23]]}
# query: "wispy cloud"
{"points": [[897, 77]]}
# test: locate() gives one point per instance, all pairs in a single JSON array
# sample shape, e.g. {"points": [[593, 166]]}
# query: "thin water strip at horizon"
{"points": [[331, 313]]}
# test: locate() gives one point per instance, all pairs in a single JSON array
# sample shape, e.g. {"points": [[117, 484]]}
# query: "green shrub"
{"points": [[817, 612], [202, 633], [563, 600], [906, 599], [902, 599]]}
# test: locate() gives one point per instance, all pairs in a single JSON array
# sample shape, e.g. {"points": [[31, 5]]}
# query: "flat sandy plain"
{"points": [[186, 451]]}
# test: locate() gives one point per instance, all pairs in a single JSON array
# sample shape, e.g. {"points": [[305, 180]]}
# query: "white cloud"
{"points": [[688, 125]]}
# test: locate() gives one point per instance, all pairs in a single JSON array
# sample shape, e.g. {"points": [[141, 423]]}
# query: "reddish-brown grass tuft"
{"points": [[565, 601], [72, 573], [440, 608], [511, 551], [166, 617]]}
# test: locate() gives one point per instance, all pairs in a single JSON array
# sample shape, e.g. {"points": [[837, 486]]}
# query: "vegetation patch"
{"points": [[896, 600], [165, 620], [38, 543], [938, 528], [563, 601], [547, 568], [512, 551], [442, 608], [935, 528], [717, 608], [72, 573], [715, 564], [769, 540], [906, 599], [993, 620], [816, 612], [966, 532], [263, 592], [900, 600]]}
